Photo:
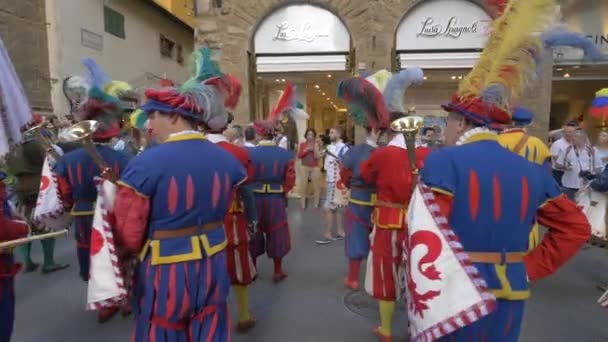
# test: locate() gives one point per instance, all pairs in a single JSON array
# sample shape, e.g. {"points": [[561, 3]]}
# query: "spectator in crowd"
{"points": [[578, 162], [601, 148], [249, 137], [560, 145], [309, 153]]}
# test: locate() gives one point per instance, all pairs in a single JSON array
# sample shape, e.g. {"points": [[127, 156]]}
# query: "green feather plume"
{"points": [[202, 68]]}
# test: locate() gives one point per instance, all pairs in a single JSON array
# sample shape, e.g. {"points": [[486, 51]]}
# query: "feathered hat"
{"points": [[203, 98], [287, 105], [102, 103], [363, 96], [522, 117], [507, 64], [376, 100], [599, 108]]}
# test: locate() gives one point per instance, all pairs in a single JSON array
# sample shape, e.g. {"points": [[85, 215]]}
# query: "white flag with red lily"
{"points": [[444, 290], [50, 213], [106, 286]]}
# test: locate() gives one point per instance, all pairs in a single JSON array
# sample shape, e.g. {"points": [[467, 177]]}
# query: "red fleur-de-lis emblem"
{"points": [[44, 183], [96, 241]]}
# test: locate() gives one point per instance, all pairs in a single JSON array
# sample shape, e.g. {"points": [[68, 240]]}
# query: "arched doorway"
{"points": [[309, 46], [445, 38]]}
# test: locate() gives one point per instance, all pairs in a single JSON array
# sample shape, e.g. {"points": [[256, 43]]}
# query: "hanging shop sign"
{"points": [[301, 29], [444, 25]]}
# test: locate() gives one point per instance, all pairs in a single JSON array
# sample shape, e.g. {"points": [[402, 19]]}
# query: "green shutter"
{"points": [[114, 22]]}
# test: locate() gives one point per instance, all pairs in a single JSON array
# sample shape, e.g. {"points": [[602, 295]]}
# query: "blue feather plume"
{"points": [[96, 77], [496, 94], [561, 36], [397, 85]]}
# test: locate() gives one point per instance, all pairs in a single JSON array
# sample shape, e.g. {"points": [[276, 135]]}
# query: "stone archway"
{"points": [[230, 30]]}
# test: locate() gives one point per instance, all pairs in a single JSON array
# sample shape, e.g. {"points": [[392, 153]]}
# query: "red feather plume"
{"points": [[286, 101], [496, 7], [230, 87], [363, 95]]}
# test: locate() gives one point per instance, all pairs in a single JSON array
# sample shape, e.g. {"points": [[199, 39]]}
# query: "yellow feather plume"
{"points": [[512, 50], [473, 83], [114, 88], [380, 79]]}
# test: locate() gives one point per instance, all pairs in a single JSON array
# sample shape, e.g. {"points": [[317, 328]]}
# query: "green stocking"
{"points": [[24, 253], [48, 250]]}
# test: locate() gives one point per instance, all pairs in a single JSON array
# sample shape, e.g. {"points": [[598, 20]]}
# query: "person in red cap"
{"points": [[490, 196], [241, 269], [388, 169], [170, 210], [76, 169], [273, 178]]}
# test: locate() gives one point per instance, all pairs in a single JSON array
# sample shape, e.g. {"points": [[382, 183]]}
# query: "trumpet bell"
{"points": [[79, 131], [407, 124]]}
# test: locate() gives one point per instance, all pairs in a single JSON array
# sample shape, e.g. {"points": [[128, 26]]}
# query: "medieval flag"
{"points": [[106, 286], [49, 213], [444, 290]]}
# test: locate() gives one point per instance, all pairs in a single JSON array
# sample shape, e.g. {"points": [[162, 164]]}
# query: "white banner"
{"points": [[50, 214], [106, 286], [594, 205], [444, 290]]}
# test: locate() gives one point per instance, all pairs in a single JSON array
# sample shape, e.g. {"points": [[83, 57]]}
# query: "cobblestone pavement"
{"points": [[311, 304]]}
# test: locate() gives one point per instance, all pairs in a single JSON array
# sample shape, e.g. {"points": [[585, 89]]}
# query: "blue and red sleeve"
{"points": [[131, 210], [132, 207], [369, 169], [568, 232]]}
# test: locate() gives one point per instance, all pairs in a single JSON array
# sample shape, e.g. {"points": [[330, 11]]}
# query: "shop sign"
{"points": [[453, 28], [444, 25], [301, 29], [304, 33]]}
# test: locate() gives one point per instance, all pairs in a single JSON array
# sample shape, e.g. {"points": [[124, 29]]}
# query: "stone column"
{"points": [[537, 98]]}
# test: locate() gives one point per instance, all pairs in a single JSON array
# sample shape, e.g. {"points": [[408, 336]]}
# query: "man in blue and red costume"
{"points": [[9, 230], [388, 170], [491, 196], [170, 209], [240, 263], [76, 169], [362, 199], [274, 176]]}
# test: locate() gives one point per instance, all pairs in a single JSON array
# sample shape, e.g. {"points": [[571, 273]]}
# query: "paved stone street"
{"points": [[310, 305]]}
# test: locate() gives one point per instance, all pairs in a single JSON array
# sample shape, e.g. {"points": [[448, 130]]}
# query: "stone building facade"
{"points": [[24, 32], [229, 26]]}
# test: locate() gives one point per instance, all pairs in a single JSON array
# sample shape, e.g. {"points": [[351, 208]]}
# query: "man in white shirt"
{"points": [[578, 161], [334, 152], [560, 146]]}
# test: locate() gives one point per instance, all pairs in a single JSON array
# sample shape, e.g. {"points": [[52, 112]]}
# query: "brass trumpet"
{"points": [[46, 143], [409, 127], [82, 132]]}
